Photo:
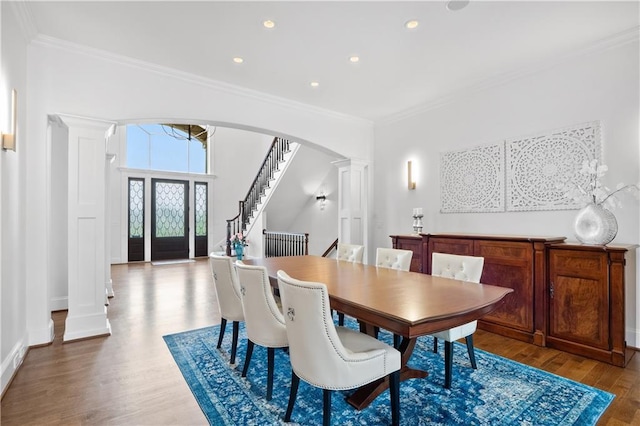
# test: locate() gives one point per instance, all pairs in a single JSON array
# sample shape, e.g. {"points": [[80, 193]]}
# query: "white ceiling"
{"points": [[399, 68]]}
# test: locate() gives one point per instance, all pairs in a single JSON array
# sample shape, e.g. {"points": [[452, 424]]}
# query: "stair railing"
{"points": [[285, 244], [331, 248], [246, 207]]}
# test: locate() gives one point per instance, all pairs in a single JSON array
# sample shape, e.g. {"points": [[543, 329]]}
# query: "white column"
{"points": [[352, 202], [87, 218]]}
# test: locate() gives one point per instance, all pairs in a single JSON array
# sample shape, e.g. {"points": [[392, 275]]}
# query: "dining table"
{"points": [[409, 304]]}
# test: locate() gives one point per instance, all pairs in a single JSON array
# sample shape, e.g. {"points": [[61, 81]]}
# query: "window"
{"points": [[136, 220], [167, 147]]}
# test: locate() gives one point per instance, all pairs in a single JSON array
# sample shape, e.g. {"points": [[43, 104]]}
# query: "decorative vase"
{"points": [[595, 225], [239, 249]]}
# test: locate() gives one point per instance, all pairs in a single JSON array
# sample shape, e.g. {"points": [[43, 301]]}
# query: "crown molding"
{"points": [[25, 19], [55, 43], [620, 39]]}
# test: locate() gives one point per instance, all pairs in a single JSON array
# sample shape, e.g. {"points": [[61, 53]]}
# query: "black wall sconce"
{"points": [[322, 199]]}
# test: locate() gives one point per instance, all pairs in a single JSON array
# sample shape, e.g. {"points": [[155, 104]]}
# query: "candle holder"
{"points": [[417, 223]]}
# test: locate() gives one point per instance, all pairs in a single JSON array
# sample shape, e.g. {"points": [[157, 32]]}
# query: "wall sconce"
{"points": [[322, 199], [9, 139], [410, 182]]}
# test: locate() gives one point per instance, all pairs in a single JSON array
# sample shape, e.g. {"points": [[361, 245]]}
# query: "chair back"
{"points": [[394, 258], [350, 252], [264, 322], [227, 287], [316, 352], [464, 268]]}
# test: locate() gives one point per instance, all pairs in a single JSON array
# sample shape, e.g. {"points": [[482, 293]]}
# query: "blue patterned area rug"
{"points": [[499, 392]]}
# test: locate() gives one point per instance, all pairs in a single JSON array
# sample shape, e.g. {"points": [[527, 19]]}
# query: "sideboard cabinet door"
{"points": [[579, 297], [586, 300], [509, 264]]}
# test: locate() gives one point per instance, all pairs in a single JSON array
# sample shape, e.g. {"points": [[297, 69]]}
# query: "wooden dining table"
{"points": [[409, 304]]}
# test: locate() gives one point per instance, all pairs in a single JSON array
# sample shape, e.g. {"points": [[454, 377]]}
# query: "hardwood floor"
{"points": [[130, 378]]}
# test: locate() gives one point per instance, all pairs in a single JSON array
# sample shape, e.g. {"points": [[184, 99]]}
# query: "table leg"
{"points": [[364, 395]]}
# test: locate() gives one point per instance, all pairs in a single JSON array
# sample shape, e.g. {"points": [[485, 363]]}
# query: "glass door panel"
{"points": [[169, 219]]}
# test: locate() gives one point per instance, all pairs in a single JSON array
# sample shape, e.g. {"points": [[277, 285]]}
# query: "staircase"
{"points": [[274, 164]]}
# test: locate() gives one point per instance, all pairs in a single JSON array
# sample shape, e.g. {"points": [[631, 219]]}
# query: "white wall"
{"points": [[14, 336], [602, 85], [294, 208], [321, 221], [58, 200]]}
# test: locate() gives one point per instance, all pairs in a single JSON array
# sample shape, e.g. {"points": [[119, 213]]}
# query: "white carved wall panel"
{"points": [[537, 166], [473, 180]]}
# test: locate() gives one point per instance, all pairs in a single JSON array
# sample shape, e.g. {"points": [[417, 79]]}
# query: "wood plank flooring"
{"points": [[130, 378]]}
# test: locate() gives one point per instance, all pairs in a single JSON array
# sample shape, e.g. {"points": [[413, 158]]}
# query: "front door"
{"points": [[169, 219]]}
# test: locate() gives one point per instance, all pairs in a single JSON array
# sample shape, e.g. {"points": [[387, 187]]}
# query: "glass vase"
{"points": [[239, 250]]}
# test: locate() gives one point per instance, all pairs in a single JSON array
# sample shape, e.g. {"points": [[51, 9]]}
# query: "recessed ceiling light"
{"points": [[238, 60], [454, 5], [314, 84], [411, 24], [354, 58], [269, 23]]}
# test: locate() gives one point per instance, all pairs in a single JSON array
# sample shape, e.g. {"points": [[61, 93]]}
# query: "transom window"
{"points": [[167, 147]]}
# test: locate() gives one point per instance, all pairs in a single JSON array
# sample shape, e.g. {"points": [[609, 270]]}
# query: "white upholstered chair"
{"points": [[227, 288], [394, 258], [330, 357], [350, 252], [263, 320], [465, 268]]}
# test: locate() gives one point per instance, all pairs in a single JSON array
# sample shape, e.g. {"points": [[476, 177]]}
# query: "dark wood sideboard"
{"points": [[566, 296]]}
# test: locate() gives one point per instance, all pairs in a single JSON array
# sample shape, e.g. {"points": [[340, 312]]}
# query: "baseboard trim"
{"points": [[85, 326], [59, 303], [13, 362], [633, 338]]}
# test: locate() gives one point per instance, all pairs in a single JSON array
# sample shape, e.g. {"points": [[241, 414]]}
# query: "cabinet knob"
{"points": [[551, 289]]}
